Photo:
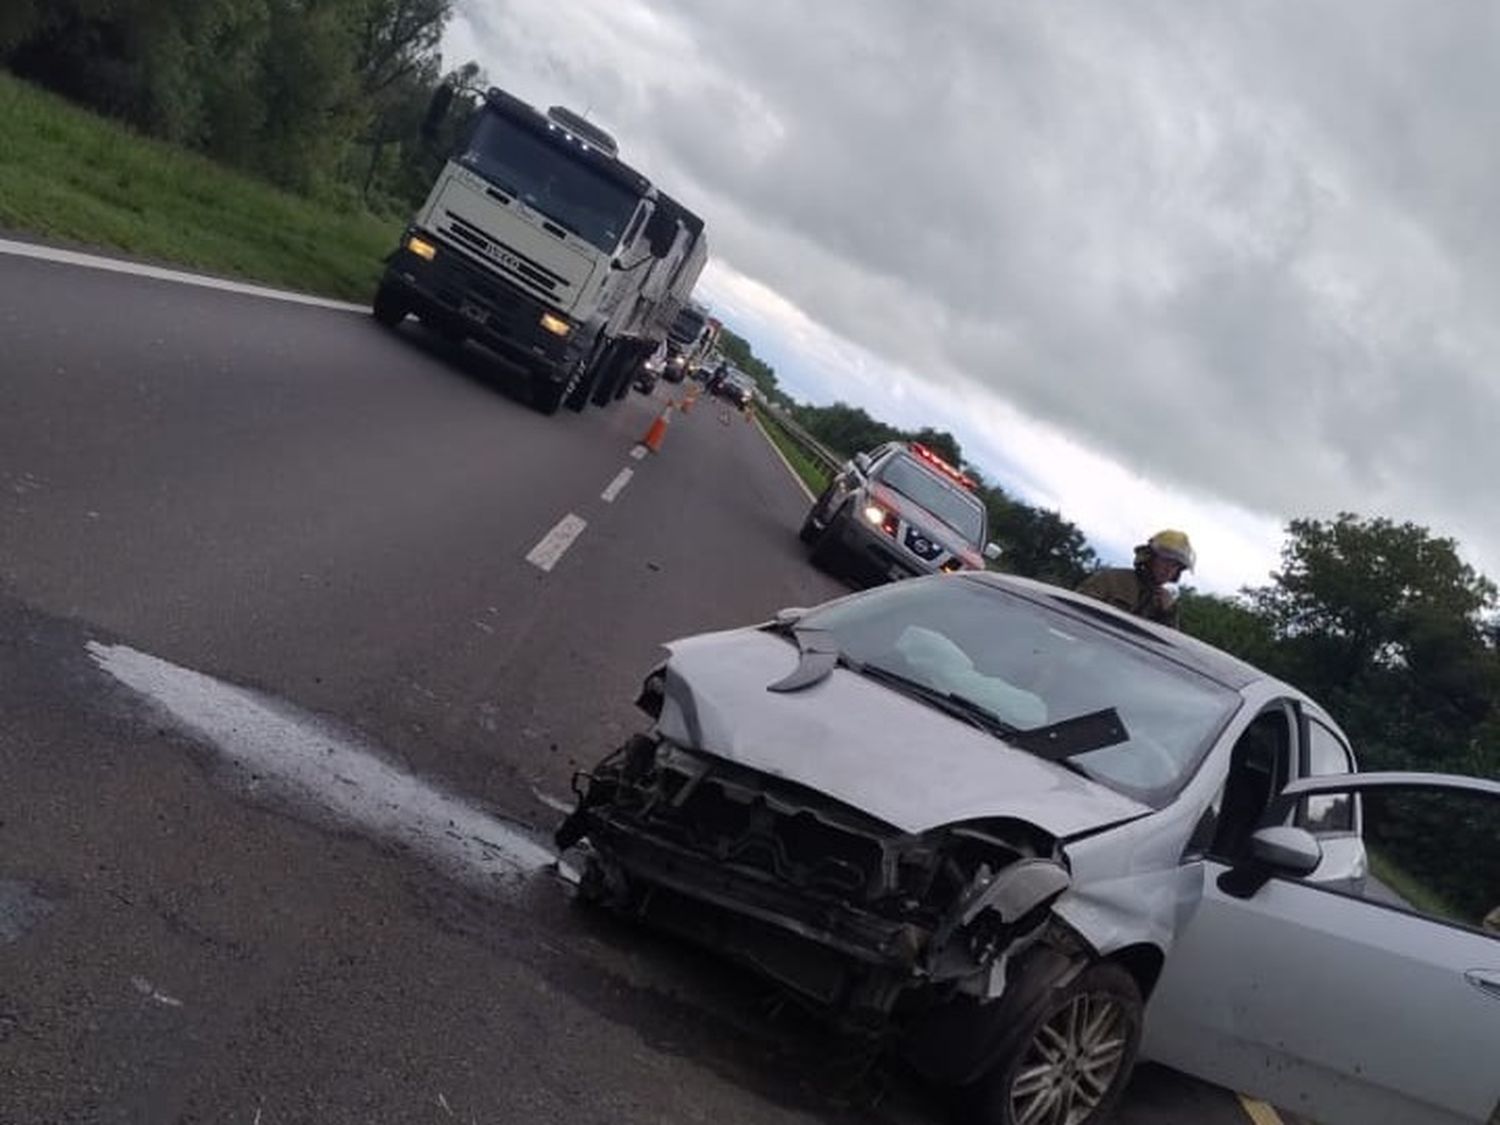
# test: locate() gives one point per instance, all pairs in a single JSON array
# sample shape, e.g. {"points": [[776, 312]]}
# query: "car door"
{"points": [[1376, 1005]]}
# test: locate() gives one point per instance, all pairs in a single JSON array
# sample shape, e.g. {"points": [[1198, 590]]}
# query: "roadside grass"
{"points": [[813, 474], [71, 176], [1412, 890]]}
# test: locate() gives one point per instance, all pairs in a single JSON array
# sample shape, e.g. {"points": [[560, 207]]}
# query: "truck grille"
{"points": [[531, 273]]}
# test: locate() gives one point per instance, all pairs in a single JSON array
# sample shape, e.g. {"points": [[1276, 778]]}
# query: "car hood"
{"points": [[870, 747]]}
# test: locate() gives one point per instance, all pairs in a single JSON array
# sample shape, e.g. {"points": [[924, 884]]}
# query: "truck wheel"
{"points": [[1073, 1058], [388, 307], [546, 396], [581, 382], [604, 387]]}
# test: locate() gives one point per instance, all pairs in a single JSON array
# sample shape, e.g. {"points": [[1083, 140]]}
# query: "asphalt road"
{"points": [[317, 532]]}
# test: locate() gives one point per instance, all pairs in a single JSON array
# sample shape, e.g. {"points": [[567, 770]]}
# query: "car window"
{"points": [[1434, 852], [1324, 754], [1033, 667], [1258, 766]]}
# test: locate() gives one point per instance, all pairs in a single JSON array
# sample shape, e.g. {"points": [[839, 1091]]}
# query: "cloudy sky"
{"points": [[1157, 263]]}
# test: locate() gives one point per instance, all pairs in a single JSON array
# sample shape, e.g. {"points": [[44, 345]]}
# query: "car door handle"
{"points": [[1486, 980]]}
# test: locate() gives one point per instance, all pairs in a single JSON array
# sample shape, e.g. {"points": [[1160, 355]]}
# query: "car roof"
{"points": [[1213, 663]]}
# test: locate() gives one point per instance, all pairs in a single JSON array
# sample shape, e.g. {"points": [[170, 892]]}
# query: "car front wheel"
{"points": [[1072, 1062]]}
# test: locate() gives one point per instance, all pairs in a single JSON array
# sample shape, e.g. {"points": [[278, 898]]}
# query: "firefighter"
{"points": [[1147, 589]]}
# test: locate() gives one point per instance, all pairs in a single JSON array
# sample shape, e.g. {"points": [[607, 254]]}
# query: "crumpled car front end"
{"points": [[846, 910]]}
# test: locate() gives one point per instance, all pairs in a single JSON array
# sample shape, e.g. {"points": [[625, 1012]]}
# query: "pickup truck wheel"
{"points": [[829, 546], [389, 308], [810, 526], [1071, 1062], [546, 396]]}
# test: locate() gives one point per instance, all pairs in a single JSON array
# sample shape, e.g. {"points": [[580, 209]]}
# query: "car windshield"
{"points": [[958, 509], [568, 191], [1033, 667]]}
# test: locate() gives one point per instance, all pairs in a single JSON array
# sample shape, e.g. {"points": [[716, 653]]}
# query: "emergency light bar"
{"points": [[931, 458]]}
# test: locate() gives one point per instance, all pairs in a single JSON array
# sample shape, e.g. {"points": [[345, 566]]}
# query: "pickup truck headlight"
{"points": [[556, 325]]}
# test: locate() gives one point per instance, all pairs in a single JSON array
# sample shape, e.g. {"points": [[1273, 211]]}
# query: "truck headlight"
{"points": [[421, 248], [556, 324]]}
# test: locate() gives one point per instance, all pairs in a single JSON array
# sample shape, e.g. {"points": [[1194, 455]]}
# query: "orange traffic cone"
{"points": [[658, 430], [688, 400]]}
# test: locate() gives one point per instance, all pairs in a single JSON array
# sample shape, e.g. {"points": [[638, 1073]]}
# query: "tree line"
{"points": [[322, 97]]}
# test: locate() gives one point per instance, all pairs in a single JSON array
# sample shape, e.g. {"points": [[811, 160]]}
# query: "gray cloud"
{"points": [[1246, 249]]}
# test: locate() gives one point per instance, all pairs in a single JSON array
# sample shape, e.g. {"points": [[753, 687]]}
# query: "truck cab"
{"points": [[538, 242]]}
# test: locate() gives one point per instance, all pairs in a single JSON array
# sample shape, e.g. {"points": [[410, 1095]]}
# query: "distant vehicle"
{"points": [[737, 389], [897, 512], [691, 338], [1019, 838], [539, 243]]}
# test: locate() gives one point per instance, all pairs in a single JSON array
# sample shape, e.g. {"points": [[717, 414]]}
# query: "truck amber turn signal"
{"points": [[421, 248], [556, 324]]}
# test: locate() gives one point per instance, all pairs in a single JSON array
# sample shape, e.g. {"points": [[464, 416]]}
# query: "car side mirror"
{"points": [[992, 551], [1277, 850], [862, 463], [1286, 850], [790, 615]]}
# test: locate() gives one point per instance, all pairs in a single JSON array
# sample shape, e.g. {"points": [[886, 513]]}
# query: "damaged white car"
{"points": [[1026, 839]]}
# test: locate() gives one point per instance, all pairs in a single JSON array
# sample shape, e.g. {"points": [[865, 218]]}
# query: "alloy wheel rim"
{"points": [[1071, 1063]]}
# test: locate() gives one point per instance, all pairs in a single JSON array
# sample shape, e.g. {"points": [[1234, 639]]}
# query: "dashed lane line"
{"points": [[616, 486], [638, 452], [179, 277], [1259, 1112], [545, 555]]}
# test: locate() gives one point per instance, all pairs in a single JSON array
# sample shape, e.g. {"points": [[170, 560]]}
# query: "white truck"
{"points": [[690, 339], [537, 242]]}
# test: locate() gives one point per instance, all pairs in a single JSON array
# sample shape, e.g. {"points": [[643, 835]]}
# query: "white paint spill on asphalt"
{"points": [[616, 486], [638, 452], [313, 764], [556, 804], [556, 542]]}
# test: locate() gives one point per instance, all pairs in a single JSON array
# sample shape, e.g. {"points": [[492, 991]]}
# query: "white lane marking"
{"points": [[1259, 1112], [310, 763], [114, 265], [556, 542], [616, 486], [638, 452], [147, 989], [780, 456]]}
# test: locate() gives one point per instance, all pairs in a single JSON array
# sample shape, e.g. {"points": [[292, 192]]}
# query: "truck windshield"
{"points": [[567, 191], [688, 325], [957, 509]]}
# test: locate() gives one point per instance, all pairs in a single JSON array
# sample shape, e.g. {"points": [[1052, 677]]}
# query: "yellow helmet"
{"points": [[1173, 545]]}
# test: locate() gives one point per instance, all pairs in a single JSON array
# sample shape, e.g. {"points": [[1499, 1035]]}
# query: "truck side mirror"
{"points": [[661, 233], [992, 551], [437, 110], [862, 463]]}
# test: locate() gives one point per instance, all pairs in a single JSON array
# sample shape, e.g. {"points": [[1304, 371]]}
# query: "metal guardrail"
{"points": [[809, 445]]}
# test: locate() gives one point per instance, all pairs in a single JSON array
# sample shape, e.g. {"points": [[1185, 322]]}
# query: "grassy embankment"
{"points": [[70, 176], [812, 472]]}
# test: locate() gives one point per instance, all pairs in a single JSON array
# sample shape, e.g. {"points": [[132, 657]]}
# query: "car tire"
{"points": [[389, 307], [1071, 1060]]}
